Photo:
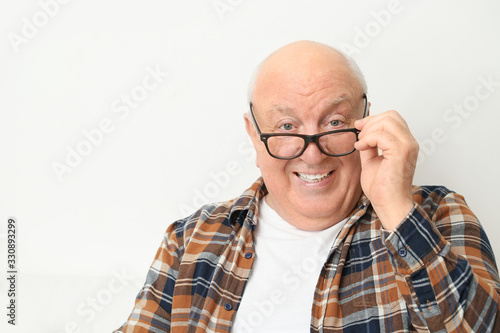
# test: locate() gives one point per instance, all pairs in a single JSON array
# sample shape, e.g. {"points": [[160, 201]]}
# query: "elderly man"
{"points": [[333, 237]]}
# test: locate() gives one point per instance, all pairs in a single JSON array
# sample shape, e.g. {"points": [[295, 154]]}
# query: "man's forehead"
{"points": [[328, 104], [342, 105], [320, 89]]}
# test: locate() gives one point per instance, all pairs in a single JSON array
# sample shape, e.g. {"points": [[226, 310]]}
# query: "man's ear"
{"points": [[252, 132], [368, 111], [247, 123]]}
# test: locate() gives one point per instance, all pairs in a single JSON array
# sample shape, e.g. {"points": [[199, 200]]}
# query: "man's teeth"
{"points": [[313, 178]]}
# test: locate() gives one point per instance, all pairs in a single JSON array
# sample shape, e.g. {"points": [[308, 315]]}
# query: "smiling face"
{"points": [[308, 88]]}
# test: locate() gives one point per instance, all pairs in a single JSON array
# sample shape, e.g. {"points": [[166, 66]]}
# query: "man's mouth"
{"points": [[313, 178]]}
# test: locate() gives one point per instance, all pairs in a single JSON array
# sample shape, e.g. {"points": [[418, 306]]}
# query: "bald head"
{"points": [[303, 62]]}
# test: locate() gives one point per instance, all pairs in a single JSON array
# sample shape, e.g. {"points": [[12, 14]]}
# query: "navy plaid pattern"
{"points": [[436, 272]]}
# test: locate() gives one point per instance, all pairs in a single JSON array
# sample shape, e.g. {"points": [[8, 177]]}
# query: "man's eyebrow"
{"points": [[333, 104], [337, 101], [283, 109]]}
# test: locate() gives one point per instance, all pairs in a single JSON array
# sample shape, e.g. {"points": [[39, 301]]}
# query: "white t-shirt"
{"points": [[279, 294]]}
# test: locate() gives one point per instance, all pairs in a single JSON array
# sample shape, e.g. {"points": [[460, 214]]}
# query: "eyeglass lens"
{"points": [[331, 144]]}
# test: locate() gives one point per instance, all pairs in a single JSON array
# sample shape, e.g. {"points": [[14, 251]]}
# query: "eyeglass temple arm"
{"points": [[254, 120], [365, 113]]}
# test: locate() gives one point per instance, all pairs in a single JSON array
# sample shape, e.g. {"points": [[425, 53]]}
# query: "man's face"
{"points": [[313, 191]]}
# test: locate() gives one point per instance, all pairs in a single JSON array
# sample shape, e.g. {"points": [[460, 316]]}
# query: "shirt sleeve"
{"points": [[153, 305], [446, 268]]}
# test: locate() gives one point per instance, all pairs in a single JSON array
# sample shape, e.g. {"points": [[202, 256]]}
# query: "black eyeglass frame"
{"points": [[307, 138]]}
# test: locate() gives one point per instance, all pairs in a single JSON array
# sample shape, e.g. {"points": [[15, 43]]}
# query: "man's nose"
{"points": [[312, 154]]}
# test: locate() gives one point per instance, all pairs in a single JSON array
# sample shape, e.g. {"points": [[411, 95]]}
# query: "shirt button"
{"points": [[228, 306], [248, 255], [402, 252]]}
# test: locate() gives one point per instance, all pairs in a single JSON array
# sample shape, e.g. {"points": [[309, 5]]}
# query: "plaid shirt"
{"points": [[436, 272]]}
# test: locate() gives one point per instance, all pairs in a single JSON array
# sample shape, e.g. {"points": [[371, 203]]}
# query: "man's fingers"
{"points": [[382, 140], [367, 155], [385, 131], [381, 120]]}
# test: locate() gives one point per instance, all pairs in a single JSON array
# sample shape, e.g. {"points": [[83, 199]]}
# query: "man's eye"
{"points": [[335, 123], [287, 127]]}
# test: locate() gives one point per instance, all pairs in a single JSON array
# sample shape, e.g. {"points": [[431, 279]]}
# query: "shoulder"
{"points": [[431, 196], [442, 205], [430, 192], [219, 217]]}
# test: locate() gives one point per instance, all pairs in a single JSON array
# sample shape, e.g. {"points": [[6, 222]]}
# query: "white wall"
{"points": [[86, 237]]}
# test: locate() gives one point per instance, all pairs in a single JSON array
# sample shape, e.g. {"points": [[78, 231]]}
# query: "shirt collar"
{"points": [[247, 205]]}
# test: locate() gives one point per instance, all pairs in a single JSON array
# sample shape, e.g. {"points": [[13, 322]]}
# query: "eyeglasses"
{"points": [[287, 146]]}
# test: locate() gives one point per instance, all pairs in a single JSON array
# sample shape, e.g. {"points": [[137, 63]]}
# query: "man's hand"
{"points": [[388, 157]]}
